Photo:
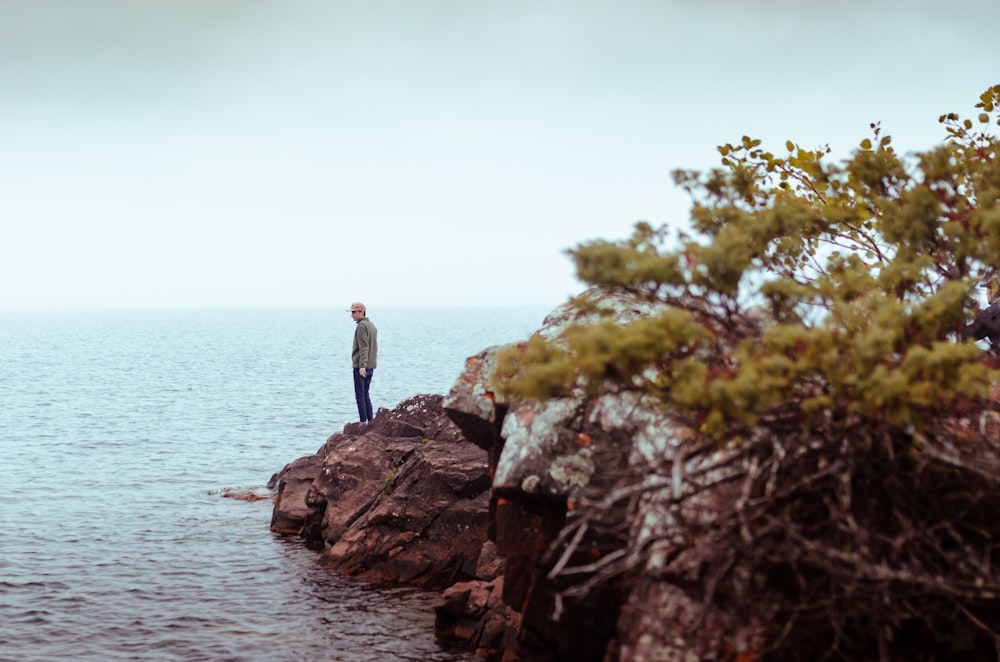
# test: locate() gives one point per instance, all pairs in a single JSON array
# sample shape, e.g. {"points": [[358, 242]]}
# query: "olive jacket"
{"points": [[364, 352]]}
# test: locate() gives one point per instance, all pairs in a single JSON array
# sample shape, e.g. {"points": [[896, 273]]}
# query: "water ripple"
{"points": [[118, 434]]}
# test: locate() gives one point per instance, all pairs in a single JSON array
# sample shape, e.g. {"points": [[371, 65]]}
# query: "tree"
{"points": [[812, 325]]}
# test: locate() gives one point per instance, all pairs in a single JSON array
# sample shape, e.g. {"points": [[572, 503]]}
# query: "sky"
{"points": [[309, 153]]}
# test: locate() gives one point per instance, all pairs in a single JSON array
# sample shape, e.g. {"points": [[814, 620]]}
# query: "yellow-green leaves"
{"points": [[989, 99], [804, 288], [590, 356]]}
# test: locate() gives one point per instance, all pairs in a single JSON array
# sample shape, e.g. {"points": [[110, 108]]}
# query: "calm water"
{"points": [[117, 432]]}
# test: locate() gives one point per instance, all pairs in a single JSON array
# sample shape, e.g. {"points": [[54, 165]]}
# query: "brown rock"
{"points": [[291, 506], [426, 526], [403, 500], [475, 615]]}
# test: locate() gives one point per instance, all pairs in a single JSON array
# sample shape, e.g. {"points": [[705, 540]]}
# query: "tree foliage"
{"points": [[811, 324]]}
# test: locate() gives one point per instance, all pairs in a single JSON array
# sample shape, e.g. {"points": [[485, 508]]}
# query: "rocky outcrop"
{"points": [[549, 460], [403, 500], [594, 528], [475, 614], [483, 499]]}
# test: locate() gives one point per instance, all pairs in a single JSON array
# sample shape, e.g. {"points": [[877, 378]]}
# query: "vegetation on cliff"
{"points": [[812, 333]]}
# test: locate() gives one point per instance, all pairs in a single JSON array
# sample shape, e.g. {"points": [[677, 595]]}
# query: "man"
{"points": [[363, 359]]}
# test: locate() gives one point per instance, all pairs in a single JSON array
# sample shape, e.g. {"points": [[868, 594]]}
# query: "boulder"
{"points": [[425, 526], [292, 485], [475, 615], [403, 500]]}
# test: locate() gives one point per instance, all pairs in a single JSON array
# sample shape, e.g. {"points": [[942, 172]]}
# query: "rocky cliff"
{"points": [[402, 500], [594, 528], [506, 510], [405, 500]]}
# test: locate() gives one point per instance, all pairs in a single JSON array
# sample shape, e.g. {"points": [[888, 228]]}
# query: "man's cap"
{"points": [[357, 306]]}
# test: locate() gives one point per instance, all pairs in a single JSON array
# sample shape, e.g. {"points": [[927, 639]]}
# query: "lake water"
{"points": [[119, 430]]}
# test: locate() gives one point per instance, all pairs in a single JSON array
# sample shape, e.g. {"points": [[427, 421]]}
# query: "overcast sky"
{"points": [[239, 153]]}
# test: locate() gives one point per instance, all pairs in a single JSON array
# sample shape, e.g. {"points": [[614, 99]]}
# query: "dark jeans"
{"points": [[361, 386]]}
